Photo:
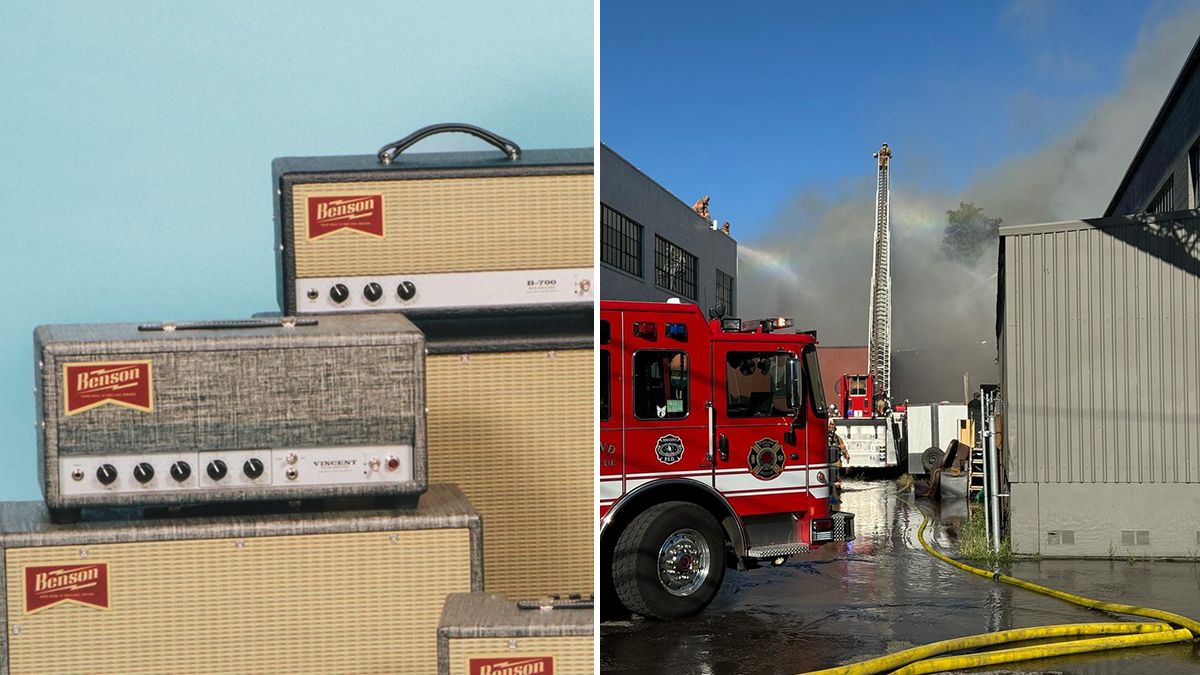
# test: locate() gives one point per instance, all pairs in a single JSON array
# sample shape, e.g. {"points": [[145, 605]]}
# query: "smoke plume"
{"points": [[814, 261]]}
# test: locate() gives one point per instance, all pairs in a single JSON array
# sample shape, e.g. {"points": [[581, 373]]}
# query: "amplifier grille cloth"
{"points": [[348, 602], [454, 225], [514, 431], [572, 654]]}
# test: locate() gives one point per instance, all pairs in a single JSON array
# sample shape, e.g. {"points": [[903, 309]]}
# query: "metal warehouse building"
{"points": [[1099, 325], [655, 247], [1101, 379]]}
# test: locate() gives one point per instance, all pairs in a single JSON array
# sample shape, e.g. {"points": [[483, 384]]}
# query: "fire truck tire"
{"points": [[670, 561]]}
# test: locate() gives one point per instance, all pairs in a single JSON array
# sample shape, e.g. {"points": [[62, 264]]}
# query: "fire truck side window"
{"points": [[757, 385], [815, 385], [604, 386], [660, 385]]}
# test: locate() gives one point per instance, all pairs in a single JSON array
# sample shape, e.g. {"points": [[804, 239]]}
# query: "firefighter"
{"points": [[836, 444]]}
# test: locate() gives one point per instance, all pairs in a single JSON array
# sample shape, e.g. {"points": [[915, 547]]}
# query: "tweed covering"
{"points": [[283, 593], [514, 430], [348, 381], [482, 625], [436, 213]]}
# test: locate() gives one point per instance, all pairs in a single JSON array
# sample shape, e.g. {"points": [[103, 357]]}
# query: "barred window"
{"points": [[1165, 199], [674, 268], [620, 241], [725, 292]]}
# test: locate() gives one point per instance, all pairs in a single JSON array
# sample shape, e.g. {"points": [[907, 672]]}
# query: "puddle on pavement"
{"points": [[883, 592]]}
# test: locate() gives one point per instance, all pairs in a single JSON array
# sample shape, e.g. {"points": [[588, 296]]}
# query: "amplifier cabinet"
{"points": [[482, 634], [432, 233], [349, 592], [511, 419], [230, 411]]}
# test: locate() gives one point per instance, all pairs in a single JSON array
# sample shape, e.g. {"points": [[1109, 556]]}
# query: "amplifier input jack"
{"points": [[291, 473]]}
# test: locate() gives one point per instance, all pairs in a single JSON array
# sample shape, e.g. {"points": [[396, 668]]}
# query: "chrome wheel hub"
{"points": [[683, 562]]}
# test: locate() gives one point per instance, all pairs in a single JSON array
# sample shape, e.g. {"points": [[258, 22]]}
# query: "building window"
{"points": [[674, 268], [725, 292], [1194, 168], [1165, 199], [620, 241], [660, 385]]}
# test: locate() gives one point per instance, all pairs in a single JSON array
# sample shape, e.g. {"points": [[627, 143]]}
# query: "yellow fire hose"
{"points": [[1119, 634]]}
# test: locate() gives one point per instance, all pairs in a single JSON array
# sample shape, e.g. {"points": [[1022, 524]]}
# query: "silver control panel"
{"points": [[206, 470], [444, 291]]}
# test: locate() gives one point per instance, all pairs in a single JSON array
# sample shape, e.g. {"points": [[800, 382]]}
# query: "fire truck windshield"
{"points": [[761, 384], [816, 386]]}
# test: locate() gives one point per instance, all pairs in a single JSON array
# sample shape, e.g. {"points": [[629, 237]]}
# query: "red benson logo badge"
{"points": [[88, 385], [327, 215], [529, 665], [82, 584]]}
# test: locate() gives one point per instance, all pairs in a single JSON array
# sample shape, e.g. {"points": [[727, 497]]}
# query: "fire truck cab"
{"points": [[714, 452]]}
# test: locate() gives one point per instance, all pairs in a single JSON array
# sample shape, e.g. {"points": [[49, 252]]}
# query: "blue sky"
{"points": [[754, 106]]}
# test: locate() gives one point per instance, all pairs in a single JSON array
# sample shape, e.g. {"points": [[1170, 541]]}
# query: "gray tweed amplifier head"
{"points": [[483, 634], [435, 233], [299, 593], [258, 409]]}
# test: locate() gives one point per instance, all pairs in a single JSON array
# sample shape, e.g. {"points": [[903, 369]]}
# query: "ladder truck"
{"points": [[870, 429]]}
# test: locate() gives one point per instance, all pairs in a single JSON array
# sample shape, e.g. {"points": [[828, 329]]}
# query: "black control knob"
{"points": [[372, 292], [406, 290], [143, 472], [216, 469], [253, 468], [106, 474], [180, 471], [339, 293]]}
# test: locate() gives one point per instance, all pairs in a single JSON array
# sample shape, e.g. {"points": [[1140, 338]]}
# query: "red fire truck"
{"points": [[713, 452]]}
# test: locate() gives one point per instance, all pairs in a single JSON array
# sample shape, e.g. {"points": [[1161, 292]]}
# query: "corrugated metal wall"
{"points": [[1101, 350]]}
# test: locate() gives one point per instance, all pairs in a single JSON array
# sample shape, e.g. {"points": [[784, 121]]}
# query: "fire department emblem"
{"points": [[766, 459], [669, 449]]}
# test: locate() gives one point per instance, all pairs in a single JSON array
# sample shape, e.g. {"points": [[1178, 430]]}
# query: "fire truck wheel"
{"points": [[669, 562]]}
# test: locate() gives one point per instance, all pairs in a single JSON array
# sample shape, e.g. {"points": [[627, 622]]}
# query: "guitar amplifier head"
{"points": [[258, 409], [435, 233], [482, 634], [511, 419], [284, 593]]}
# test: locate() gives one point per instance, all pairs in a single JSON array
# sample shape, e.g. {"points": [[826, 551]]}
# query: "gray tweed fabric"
{"points": [[352, 380], [484, 615]]}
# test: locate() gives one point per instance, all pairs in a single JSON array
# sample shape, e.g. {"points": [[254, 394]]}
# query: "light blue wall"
{"points": [[136, 142]]}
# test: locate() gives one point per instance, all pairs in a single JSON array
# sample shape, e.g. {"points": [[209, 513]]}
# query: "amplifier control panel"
{"points": [[444, 291], [213, 470]]}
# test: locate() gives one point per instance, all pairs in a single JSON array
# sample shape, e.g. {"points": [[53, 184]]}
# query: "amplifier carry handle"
{"points": [[572, 601], [281, 322], [390, 151]]}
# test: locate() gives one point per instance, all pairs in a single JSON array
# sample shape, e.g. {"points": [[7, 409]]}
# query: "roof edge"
{"points": [[1189, 64]]}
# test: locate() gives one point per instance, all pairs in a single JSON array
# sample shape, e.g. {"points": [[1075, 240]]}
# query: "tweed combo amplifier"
{"points": [[230, 411], [434, 233], [511, 419], [281, 593], [483, 634]]}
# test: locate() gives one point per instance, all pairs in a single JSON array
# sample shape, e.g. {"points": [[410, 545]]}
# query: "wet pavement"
{"points": [[883, 592]]}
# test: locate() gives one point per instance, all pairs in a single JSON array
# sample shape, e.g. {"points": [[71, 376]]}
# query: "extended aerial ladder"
{"points": [[879, 330], [867, 421]]}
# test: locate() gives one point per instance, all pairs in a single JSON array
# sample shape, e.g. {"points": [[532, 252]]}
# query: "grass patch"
{"points": [[972, 540]]}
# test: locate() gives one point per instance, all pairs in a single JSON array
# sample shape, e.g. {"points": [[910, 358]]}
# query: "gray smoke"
{"points": [[814, 260]]}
